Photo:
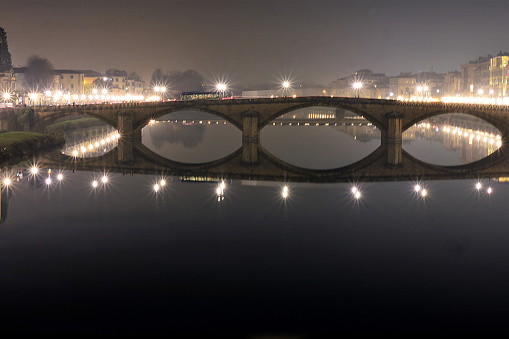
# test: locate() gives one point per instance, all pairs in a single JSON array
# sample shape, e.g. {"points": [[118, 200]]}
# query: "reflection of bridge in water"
{"points": [[252, 161]]}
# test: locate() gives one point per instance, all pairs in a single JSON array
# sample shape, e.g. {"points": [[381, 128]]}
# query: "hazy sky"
{"points": [[255, 43]]}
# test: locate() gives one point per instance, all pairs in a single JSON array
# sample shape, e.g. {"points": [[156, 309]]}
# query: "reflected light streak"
{"points": [[7, 181], [285, 192]]}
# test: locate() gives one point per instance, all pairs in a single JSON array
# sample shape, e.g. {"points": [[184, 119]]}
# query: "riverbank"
{"points": [[14, 146]]}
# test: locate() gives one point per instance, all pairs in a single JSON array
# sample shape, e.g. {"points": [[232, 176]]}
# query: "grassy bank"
{"points": [[71, 124], [16, 145]]}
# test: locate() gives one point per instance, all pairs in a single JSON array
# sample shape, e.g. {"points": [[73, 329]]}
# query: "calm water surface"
{"points": [[122, 258]]}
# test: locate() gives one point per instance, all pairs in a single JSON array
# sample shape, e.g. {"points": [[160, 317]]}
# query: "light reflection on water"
{"points": [[251, 254]]}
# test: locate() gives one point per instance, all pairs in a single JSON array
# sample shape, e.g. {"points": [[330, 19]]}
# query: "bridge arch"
{"points": [[40, 122], [157, 114], [492, 119], [181, 167], [325, 103]]}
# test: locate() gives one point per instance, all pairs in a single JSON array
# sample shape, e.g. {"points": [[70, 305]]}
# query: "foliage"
{"points": [[158, 77], [5, 56], [26, 116], [39, 73], [115, 73], [134, 76], [17, 118]]}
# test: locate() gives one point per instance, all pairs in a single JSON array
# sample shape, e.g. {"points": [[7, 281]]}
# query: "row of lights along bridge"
{"points": [[159, 91]]}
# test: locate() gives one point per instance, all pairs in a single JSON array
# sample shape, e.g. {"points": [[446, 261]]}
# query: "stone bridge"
{"points": [[388, 162]]}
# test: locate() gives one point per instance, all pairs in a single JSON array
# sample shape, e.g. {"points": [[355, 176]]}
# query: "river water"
{"points": [[122, 258]]}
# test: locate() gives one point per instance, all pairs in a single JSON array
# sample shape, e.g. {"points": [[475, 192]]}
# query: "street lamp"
{"points": [[160, 89], [33, 97], [221, 87], [357, 87], [6, 96], [163, 90]]}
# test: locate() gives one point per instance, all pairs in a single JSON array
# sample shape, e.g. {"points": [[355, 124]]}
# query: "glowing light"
{"points": [[221, 87], [156, 187], [163, 182], [94, 183], [286, 84], [48, 181], [354, 189], [75, 153], [285, 192], [490, 190], [357, 85], [7, 181], [357, 195], [424, 193], [60, 176], [34, 170], [104, 179], [417, 188], [478, 186], [7, 96]]}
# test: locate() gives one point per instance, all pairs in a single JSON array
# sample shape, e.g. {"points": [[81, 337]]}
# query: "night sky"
{"points": [[254, 44]]}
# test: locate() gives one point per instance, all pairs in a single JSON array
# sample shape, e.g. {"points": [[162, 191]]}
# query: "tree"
{"points": [[5, 56], [158, 77], [39, 73], [134, 76], [186, 81], [116, 73]]}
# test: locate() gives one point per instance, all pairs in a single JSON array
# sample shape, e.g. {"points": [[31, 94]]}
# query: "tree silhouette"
{"points": [[5, 56], [39, 73]]}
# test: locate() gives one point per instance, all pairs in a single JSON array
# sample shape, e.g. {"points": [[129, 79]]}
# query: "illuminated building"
{"points": [[475, 76], [499, 71], [403, 86]]}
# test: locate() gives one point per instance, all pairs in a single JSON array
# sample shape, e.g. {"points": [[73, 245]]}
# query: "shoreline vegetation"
{"points": [[15, 146]]}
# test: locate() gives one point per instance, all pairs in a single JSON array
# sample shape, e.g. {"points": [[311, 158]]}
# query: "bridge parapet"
{"points": [[251, 115]]}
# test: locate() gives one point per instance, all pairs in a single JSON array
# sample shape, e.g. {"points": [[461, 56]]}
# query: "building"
{"points": [[403, 86], [452, 84], [429, 84], [371, 85], [499, 72], [69, 81], [120, 83], [475, 76], [275, 93]]}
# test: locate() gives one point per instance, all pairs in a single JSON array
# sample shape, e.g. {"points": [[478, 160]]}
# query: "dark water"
{"points": [[122, 258]]}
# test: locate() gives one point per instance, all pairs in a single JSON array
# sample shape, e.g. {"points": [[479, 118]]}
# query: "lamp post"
{"points": [[163, 90], [357, 87]]}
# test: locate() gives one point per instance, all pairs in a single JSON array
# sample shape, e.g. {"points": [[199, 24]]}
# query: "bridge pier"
{"points": [[126, 141], [250, 138], [393, 140]]}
